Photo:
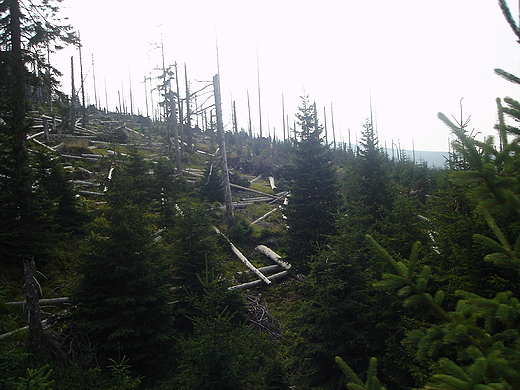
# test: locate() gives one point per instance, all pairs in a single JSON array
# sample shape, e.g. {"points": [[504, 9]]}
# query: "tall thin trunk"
{"points": [[259, 95], [332, 123], [180, 129], [22, 181], [249, 124], [131, 96], [72, 98], [325, 125], [223, 154], [96, 101], [189, 134], [235, 124], [283, 117], [84, 109], [106, 95], [37, 339]]}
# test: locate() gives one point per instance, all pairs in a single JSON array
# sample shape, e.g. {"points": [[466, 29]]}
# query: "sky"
{"points": [[405, 59]]}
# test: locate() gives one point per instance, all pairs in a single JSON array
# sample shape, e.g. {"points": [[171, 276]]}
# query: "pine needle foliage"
{"points": [[122, 293], [483, 331], [313, 201]]}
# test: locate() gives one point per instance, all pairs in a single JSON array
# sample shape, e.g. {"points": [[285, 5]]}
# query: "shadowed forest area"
{"points": [[172, 253]]}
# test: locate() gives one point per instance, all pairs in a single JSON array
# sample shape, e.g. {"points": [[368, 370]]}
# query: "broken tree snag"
{"points": [[273, 256], [37, 338], [223, 155], [271, 183]]}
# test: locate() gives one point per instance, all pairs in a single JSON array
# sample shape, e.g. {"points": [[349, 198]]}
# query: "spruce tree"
{"points": [[313, 201], [476, 342], [219, 353], [123, 302]]}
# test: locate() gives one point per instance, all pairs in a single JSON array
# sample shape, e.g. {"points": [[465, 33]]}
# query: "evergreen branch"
{"points": [[509, 18], [351, 375], [372, 382], [508, 76], [383, 252], [494, 227], [466, 141]]}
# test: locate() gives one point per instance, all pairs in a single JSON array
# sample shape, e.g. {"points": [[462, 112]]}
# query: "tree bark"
{"points": [[223, 155], [37, 339], [273, 256], [258, 283]]}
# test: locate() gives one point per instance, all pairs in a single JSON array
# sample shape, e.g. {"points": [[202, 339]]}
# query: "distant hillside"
{"points": [[434, 159]]}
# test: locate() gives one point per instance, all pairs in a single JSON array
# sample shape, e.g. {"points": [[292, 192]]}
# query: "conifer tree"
{"points": [[218, 355], [329, 320], [313, 201], [122, 294], [482, 331]]}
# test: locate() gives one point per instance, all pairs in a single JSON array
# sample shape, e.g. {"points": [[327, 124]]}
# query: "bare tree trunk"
{"points": [[189, 135], [72, 98], [37, 338], [223, 155], [84, 117], [22, 182], [273, 256]]}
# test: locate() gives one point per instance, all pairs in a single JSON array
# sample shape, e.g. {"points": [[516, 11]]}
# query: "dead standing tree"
{"points": [[223, 155]]}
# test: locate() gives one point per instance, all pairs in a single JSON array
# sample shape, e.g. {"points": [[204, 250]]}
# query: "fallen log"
{"points": [[244, 259], [249, 265], [256, 283], [273, 256], [256, 179], [264, 216], [264, 270], [251, 190], [91, 193], [51, 301]]}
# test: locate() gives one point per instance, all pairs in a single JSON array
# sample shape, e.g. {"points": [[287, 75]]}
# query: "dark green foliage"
{"points": [[483, 329], [368, 180], [138, 183], [123, 300], [165, 191], [192, 246], [220, 354], [36, 379], [313, 201], [241, 231], [53, 186], [211, 184], [355, 383], [329, 321], [122, 378]]}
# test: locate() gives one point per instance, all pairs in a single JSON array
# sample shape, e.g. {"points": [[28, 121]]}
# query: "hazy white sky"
{"points": [[412, 58]]}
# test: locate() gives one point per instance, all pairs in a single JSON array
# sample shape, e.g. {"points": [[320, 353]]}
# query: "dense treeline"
{"points": [[402, 276]]}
